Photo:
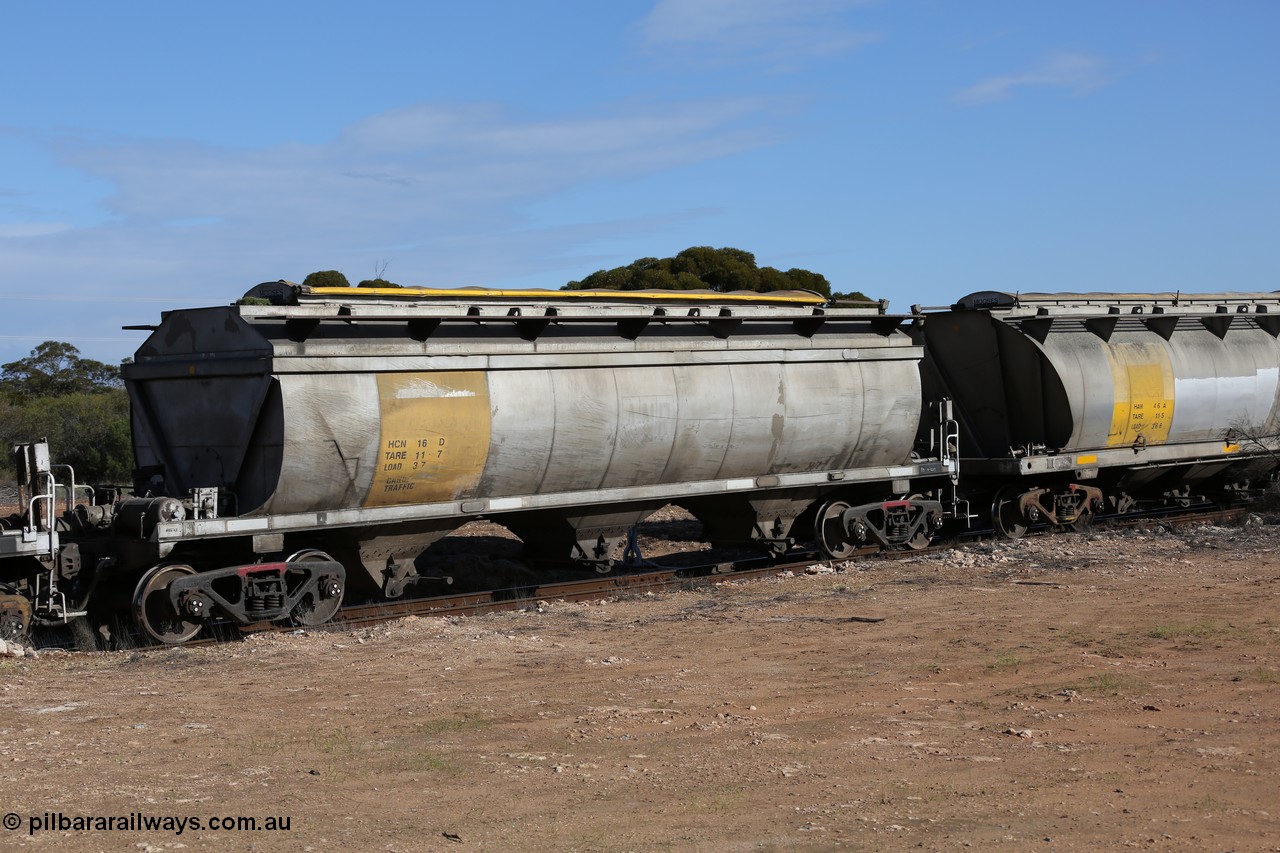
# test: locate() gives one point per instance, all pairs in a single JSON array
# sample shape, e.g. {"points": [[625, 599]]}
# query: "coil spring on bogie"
{"points": [[898, 526], [1065, 509], [263, 603]]}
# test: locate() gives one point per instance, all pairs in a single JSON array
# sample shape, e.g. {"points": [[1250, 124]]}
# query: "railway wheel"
{"points": [[1083, 522], [920, 541], [319, 606], [15, 617], [1006, 515], [154, 616], [829, 531], [922, 538]]}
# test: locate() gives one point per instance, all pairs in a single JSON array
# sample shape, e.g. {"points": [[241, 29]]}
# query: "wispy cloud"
{"points": [[416, 167], [443, 191], [31, 229], [1077, 73], [762, 31]]}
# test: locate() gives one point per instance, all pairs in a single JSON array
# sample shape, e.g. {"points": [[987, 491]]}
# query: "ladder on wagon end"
{"points": [[38, 494], [945, 438]]}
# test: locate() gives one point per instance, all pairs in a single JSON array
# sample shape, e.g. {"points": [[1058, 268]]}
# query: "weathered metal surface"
{"points": [[1079, 373], [380, 411]]}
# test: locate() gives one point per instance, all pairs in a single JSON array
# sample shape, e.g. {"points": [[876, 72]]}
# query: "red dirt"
{"points": [[1110, 690]]}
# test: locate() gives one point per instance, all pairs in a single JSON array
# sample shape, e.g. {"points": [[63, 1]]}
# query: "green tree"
{"points": [[326, 278], [53, 369], [89, 432], [702, 267], [79, 405], [852, 296], [377, 282]]}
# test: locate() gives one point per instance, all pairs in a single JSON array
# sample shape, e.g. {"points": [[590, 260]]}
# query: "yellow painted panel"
{"points": [[1231, 448], [1143, 403], [1087, 459], [800, 297], [434, 439]]}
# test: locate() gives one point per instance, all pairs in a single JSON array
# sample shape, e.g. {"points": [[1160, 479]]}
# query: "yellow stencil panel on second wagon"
{"points": [[1142, 377], [434, 437]]}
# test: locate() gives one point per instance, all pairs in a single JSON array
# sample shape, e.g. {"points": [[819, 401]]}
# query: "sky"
{"points": [[162, 155]]}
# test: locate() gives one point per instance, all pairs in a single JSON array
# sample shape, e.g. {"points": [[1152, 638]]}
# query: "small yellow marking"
{"points": [[1231, 448], [1087, 459]]}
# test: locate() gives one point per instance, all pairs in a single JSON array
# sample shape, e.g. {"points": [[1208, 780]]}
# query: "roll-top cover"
{"points": [[1064, 304]]}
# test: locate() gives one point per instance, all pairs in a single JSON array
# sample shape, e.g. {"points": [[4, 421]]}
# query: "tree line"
{"points": [[696, 268], [79, 405]]}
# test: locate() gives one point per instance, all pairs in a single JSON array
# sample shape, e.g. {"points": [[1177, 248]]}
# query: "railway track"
{"points": [[666, 579], [652, 580]]}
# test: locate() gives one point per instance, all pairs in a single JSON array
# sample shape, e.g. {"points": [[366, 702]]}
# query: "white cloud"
{"points": [[413, 168], [1078, 73], [31, 229], [442, 192], [761, 31]]}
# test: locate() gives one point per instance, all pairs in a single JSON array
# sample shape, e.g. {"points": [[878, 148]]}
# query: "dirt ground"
{"points": [[1114, 689]]}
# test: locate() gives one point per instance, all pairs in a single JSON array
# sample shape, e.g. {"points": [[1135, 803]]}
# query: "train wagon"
{"points": [[306, 445], [1071, 404]]}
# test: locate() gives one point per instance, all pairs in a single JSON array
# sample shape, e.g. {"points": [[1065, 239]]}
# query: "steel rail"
{"points": [[660, 579]]}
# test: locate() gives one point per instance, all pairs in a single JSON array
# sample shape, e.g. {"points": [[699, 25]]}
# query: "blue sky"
{"points": [[157, 155]]}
